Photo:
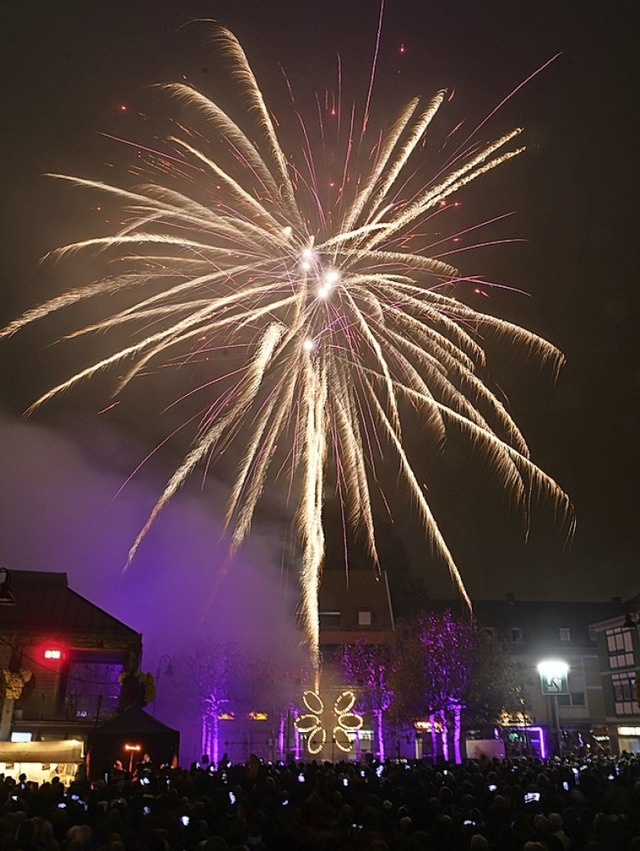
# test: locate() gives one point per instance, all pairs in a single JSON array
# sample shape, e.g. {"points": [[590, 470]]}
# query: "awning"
{"points": [[65, 750]]}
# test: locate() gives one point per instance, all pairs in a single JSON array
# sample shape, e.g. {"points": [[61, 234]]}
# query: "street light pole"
{"points": [[168, 671], [554, 681]]}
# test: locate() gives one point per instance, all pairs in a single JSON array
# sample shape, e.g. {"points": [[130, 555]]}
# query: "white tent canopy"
{"points": [[62, 751]]}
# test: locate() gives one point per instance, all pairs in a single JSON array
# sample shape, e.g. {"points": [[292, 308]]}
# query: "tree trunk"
{"points": [[215, 750], [444, 737], [380, 732], [204, 735], [457, 714], [434, 738], [281, 729]]}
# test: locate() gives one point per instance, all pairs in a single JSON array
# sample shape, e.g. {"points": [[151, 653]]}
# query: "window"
{"points": [[490, 631], [624, 694], [565, 633], [329, 620], [516, 634], [575, 698], [593, 635], [93, 689], [620, 647], [365, 618]]}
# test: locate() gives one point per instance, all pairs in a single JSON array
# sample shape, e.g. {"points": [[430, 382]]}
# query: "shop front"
{"points": [[628, 739], [41, 761]]}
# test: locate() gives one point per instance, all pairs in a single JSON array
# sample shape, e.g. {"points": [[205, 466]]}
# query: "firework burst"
{"points": [[341, 330]]}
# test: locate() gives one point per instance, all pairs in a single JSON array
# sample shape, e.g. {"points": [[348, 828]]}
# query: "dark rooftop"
{"points": [[538, 621], [45, 601]]}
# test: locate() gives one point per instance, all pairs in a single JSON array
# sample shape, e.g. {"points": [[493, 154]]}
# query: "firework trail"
{"points": [[340, 331]]}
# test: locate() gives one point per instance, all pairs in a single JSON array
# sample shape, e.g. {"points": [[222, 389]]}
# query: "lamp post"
{"points": [[554, 681], [166, 661]]}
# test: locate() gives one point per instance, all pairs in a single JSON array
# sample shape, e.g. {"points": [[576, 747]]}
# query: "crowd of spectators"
{"points": [[507, 805]]}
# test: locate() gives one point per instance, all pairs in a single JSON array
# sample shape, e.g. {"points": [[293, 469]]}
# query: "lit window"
{"points": [[364, 617], [576, 698], [565, 633]]}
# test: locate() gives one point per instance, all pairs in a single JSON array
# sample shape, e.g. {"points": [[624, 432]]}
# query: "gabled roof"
{"points": [[44, 601], [109, 741], [134, 721]]}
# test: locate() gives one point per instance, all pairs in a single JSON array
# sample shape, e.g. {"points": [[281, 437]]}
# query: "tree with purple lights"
{"points": [[446, 666], [367, 667], [211, 672], [289, 683]]}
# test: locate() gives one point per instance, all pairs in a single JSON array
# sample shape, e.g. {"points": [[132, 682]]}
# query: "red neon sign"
{"points": [[52, 653]]}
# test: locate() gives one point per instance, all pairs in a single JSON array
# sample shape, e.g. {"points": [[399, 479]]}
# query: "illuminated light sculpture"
{"points": [[15, 682], [314, 723]]}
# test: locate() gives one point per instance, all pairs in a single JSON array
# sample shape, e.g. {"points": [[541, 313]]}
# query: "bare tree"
{"points": [[210, 672], [445, 666], [368, 667]]}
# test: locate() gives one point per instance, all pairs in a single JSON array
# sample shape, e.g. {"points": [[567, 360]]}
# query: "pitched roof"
{"points": [[134, 721], [44, 601]]}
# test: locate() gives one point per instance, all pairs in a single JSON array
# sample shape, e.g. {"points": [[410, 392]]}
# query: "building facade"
{"points": [[619, 655], [592, 707], [62, 662], [571, 712], [354, 608]]}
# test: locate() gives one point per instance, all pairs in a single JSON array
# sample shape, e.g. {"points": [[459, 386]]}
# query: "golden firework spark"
{"points": [[344, 331]]}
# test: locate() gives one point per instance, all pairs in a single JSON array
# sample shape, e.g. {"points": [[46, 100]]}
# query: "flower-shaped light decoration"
{"points": [[315, 721]]}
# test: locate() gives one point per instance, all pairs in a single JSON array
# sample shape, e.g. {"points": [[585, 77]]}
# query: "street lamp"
{"points": [[165, 660], [554, 681]]}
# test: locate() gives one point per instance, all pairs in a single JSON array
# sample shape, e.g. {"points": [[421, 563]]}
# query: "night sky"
{"points": [[75, 72]]}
